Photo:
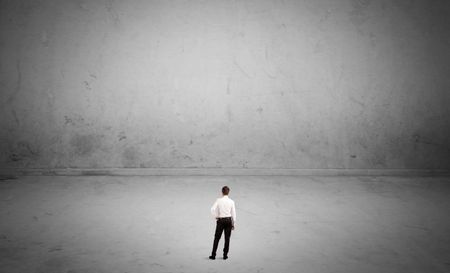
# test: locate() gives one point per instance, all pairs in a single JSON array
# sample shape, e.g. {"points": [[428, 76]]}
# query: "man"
{"points": [[225, 213]]}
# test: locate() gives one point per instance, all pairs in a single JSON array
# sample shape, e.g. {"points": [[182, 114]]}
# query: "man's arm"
{"points": [[233, 213], [214, 210]]}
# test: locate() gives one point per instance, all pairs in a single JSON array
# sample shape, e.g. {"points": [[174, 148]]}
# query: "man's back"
{"points": [[224, 207]]}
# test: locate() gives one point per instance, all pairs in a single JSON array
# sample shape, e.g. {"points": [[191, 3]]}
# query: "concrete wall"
{"points": [[242, 84]]}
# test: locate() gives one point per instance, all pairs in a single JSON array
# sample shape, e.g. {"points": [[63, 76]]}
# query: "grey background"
{"points": [[225, 84]]}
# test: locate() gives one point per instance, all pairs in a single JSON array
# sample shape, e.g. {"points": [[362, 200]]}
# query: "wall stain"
{"points": [[122, 136], [44, 38], [269, 74], [324, 18], [87, 86], [88, 83], [358, 15], [422, 140], [23, 150], [229, 113], [15, 157], [209, 136], [112, 12], [244, 164], [83, 5], [241, 69], [130, 157], [362, 104], [18, 82], [405, 5], [378, 159], [5, 178], [75, 120], [55, 264], [15, 116], [68, 120], [85, 145], [19, 77]]}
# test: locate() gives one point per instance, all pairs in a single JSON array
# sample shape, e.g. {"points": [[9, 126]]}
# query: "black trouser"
{"points": [[223, 224]]}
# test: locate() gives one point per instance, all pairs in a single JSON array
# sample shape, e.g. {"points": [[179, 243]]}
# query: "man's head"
{"points": [[225, 190]]}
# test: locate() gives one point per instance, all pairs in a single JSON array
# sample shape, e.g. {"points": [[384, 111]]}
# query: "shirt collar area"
{"points": [[224, 196]]}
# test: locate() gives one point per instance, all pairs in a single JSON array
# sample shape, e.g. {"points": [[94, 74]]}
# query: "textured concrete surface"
{"points": [[285, 224], [225, 84]]}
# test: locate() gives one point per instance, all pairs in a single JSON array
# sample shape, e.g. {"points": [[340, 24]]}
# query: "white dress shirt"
{"points": [[224, 207]]}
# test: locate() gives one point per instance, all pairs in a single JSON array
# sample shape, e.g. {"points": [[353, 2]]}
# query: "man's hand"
{"points": [[232, 227]]}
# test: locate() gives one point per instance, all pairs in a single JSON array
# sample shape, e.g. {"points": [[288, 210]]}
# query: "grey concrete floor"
{"points": [[285, 224]]}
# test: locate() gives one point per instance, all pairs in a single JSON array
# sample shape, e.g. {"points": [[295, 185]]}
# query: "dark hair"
{"points": [[225, 190]]}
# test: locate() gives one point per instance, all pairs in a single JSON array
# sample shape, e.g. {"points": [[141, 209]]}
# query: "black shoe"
{"points": [[212, 257], [225, 257]]}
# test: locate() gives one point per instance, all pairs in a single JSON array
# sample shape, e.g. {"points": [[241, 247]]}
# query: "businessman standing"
{"points": [[224, 211]]}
